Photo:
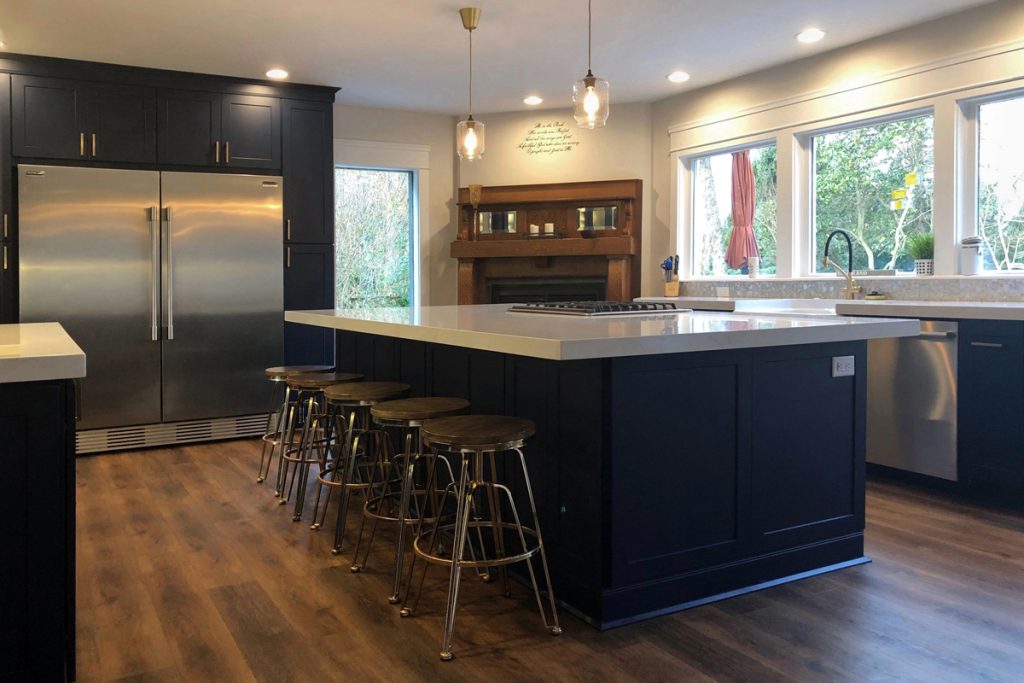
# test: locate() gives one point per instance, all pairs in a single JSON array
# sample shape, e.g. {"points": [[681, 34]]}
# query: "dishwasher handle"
{"points": [[937, 335]]}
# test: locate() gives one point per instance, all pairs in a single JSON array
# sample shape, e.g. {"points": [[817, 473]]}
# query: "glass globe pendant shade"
{"points": [[590, 101], [469, 137]]}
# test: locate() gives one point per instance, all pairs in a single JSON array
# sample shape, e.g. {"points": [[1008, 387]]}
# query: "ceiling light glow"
{"points": [[810, 35], [533, 100], [678, 77], [277, 74]]}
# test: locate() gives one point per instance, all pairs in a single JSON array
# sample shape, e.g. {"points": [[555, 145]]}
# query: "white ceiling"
{"points": [[411, 54]]}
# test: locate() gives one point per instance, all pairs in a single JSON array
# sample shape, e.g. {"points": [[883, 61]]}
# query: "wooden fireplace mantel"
{"points": [[612, 254]]}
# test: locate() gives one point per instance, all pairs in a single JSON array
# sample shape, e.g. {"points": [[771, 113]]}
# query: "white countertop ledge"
{"points": [[33, 352], [559, 337], [963, 310]]}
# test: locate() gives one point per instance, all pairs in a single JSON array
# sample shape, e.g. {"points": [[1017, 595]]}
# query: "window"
{"points": [[875, 182], [712, 211], [373, 237], [1001, 183]]}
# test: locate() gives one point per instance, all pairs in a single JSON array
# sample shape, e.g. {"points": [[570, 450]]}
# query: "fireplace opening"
{"points": [[540, 290]]}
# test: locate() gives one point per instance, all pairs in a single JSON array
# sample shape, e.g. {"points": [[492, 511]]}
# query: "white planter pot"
{"points": [[924, 266]]}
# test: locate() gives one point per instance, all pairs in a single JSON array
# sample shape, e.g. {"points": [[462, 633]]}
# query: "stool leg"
{"points": [[334, 421], [403, 514], [305, 455], [494, 503], [286, 438], [554, 627], [465, 494], [346, 480], [382, 459], [278, 426]]}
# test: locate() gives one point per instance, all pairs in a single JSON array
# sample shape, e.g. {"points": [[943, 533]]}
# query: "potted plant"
{"points": [[921, 247]]}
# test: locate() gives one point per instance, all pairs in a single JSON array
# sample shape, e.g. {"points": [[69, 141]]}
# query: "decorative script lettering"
{"points": [[553, 137]]}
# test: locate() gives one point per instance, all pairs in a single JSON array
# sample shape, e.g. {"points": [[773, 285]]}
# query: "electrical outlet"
{"points": [[843, 366], [722, 292]]}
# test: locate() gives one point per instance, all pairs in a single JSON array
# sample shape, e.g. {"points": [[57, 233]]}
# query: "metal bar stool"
{"points": [[474, 437], [349, 413], [391, 497], [306, 414], [276, 420]]}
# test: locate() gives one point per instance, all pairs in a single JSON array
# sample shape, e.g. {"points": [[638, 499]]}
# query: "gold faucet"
{"points": [[851, 288]]}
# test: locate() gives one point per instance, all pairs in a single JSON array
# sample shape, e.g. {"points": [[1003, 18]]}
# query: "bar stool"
{"points": [[391, 502], [272, 436], [306, 413], [474, 437], [349, 413]]}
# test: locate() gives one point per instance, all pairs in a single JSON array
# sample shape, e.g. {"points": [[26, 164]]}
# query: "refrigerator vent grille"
{"points": [[146, 436]]}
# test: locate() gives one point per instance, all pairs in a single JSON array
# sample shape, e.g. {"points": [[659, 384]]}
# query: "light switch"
{"points": [[843, 366]]}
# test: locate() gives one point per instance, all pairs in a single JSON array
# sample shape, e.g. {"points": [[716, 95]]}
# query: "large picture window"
{"points": [[1001, 183], [715, 204], [875, 182]]}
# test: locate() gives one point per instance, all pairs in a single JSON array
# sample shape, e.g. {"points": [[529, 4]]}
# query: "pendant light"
{"points": [[469, 133], [590, 93]]}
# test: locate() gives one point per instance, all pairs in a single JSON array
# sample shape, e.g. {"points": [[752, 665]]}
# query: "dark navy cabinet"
{"points": [[990, 441], [308, 285], [308, 170], [7, 227], [251, 126], [200, 128], [120, 123]]}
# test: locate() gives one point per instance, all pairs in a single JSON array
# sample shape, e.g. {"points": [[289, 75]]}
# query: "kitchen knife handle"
{"points": [[170, 273], [153, 214]]}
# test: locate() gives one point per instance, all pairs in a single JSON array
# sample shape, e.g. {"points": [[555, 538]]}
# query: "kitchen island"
{"points": [[38, 365], [680, 457]]}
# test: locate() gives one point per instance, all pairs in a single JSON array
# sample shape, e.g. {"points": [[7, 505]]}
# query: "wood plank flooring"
{"points": [[189, 571]]}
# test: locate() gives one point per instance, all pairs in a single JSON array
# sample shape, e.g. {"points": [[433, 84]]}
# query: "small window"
{"points": [[713, 211], [875, 182], [1001, 183], [373, 237]]}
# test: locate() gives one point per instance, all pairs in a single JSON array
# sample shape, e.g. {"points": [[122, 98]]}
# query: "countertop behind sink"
{"points": [[960, 310]]}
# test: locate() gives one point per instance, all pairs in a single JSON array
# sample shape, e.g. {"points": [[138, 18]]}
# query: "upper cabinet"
{"points": [[7, 304], [63, 119], [308, 170], [199, 128]]}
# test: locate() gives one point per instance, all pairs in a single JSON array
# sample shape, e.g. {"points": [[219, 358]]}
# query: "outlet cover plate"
{"points": [[843, 366]]}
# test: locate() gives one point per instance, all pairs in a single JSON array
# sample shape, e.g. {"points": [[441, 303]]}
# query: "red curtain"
{"points": [[742, 243]]}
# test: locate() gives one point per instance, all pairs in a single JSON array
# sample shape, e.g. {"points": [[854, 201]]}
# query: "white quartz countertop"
{"points": [[976, 310], [558, 337], [32, 352]]}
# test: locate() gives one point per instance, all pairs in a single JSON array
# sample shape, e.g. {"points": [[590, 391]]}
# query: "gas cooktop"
{"points": [[594, 308]]}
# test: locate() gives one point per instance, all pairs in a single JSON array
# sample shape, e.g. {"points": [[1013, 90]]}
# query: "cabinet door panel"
{"points": [[252, 131], [7, 231], [188, 124], [308, 169], [123, 119], [308, 285], [46, 118]]}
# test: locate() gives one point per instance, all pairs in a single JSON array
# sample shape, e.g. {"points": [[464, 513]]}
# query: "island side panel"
{"points": [[731, 470]]}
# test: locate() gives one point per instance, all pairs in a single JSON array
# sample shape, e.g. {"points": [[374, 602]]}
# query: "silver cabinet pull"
{"points": [[987, 345], [216, 151], [153, 214], [94, 145], [6, 233], [288, 223], [938, 335], [170, 273], [288, 257], [81, 144]]}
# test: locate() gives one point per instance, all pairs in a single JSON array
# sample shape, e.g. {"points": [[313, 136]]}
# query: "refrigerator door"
{"points": [[89, 259], [222, 293]]}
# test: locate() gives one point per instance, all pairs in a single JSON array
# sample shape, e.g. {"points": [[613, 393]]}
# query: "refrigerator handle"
{"points": [[153, 216], [169, 273]]}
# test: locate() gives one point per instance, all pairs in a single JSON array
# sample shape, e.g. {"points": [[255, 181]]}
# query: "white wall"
{"points": [[933, 63], [436, 131], [620, 150]]}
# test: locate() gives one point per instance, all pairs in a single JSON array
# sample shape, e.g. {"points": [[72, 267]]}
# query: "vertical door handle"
{"points": [[288, 231], [169, 294], [288, 257], [6, 232], [81, 144], [153, 214], [5, 257], [94, 145], [227, 151], [216, 151]]}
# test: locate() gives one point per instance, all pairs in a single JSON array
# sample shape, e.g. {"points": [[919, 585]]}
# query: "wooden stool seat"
{"points": [[286, 371], [320, 380], [419, 409], [477, 431], [366, 392]]}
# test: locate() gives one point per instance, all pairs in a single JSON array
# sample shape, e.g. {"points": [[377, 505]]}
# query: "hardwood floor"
{"points": [[189, 571]]}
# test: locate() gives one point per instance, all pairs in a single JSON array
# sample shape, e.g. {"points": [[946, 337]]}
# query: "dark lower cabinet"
{"points": [[308, 285], [37, 525], [46, 117], [308, 170], [990, 430]]}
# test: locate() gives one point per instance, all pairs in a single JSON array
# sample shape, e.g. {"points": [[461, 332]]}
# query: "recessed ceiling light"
{"points": [[277, 74], [678, 77], [810, 35], [533, 100]]}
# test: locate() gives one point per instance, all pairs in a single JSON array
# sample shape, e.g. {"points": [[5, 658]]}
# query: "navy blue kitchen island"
{"points": [[679, 459]]}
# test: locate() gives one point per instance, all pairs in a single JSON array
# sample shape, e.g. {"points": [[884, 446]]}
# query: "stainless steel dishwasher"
{"points": [[912, 401]]}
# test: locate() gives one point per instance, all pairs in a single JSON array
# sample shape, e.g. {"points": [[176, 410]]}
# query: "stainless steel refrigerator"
{"points": [[170, 282]]}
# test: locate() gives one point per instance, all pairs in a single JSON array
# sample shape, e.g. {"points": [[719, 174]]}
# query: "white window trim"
{"points": [[399, 156]]}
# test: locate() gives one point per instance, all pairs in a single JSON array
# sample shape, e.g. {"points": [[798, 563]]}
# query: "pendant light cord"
{"points": [[471, 73], [590, 32]]}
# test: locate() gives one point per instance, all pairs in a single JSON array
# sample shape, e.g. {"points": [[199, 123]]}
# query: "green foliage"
{"points": [[856, 172], [921, 245], [1001, 184], [372, 232]]}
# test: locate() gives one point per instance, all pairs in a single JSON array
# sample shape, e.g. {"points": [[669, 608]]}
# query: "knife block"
{"points": [[672, 288]]}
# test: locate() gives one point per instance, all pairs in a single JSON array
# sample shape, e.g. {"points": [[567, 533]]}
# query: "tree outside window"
{"points": [[1001, 183], [875, 182]]}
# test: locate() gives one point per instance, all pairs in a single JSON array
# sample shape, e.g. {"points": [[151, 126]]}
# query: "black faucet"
{"points": [[851, 285]]}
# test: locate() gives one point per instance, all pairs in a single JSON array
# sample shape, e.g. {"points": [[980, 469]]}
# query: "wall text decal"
{"points": [[552, 137]]}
